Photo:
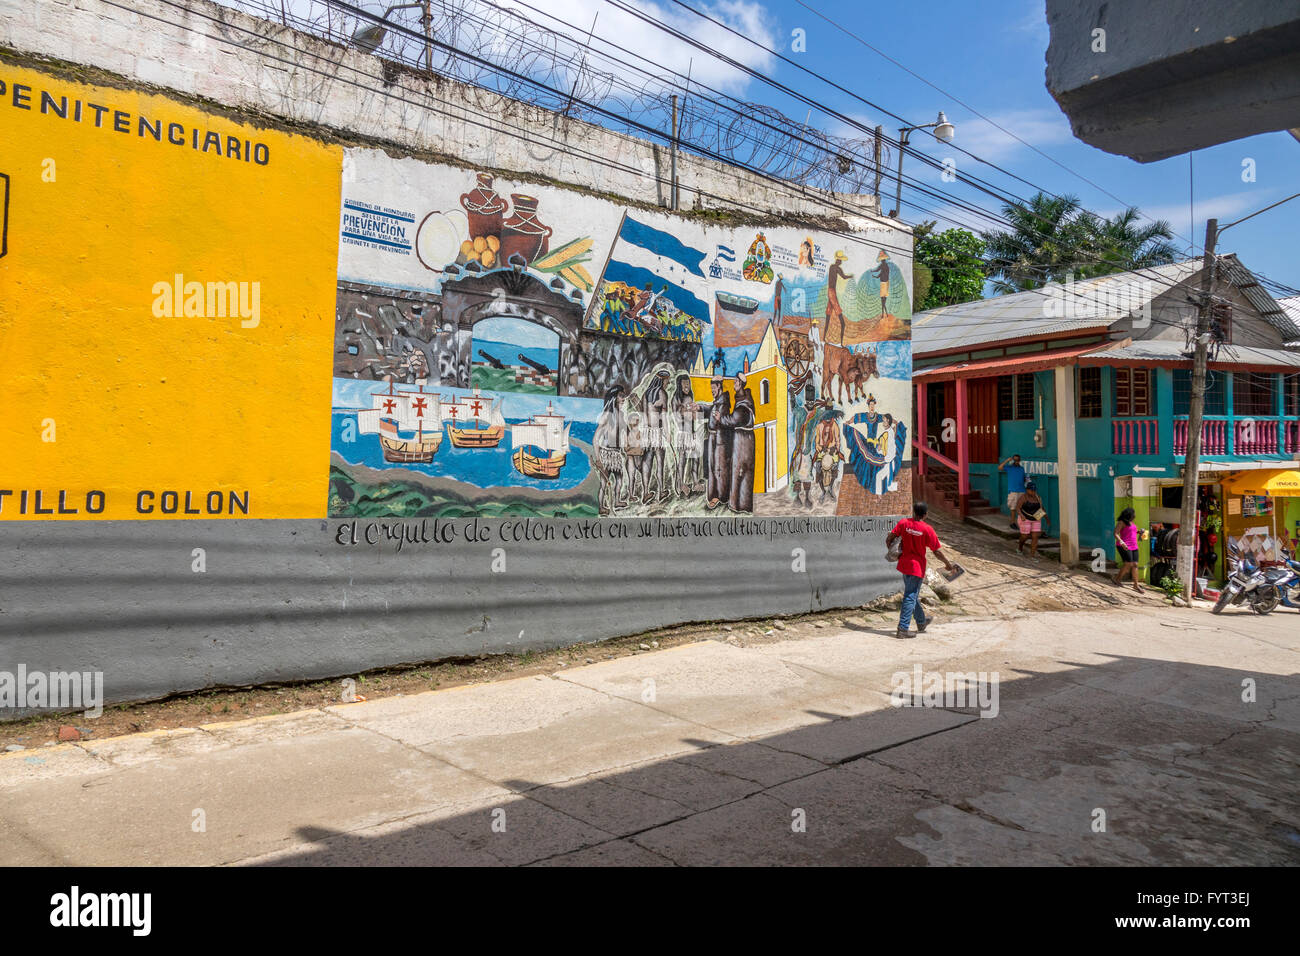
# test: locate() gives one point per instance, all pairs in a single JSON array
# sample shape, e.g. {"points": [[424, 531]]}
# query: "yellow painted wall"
{"points": [[776, 409], [97, 217]]}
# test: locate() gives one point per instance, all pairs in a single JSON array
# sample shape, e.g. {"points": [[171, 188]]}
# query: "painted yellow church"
{"points": [[768, 381]]}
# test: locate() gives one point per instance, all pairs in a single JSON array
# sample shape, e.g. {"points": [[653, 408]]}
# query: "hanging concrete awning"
{"points": [[1273, 483]]}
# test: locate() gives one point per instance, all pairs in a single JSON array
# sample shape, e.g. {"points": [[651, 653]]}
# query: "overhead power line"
{"points": [[960, 102]]}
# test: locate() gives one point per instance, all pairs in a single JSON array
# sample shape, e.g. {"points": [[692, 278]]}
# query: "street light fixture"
{"points": [[943, 132], [370, 35]]}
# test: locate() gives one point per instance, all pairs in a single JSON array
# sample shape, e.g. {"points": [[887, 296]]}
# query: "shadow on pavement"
{"points": [[1133, 762]]}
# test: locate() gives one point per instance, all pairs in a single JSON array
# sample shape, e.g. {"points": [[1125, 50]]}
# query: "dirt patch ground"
{"points": [[998, 584]]}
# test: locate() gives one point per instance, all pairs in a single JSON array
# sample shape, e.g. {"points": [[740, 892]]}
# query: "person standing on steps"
{"points": [[914, 535], [1015, 473], [1126, 548], [1032, 516]]}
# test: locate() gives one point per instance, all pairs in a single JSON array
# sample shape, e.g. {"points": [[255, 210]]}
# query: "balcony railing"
{"points": [[1251, 436], [1255, 436], [1135, 436], [1214, 433]]}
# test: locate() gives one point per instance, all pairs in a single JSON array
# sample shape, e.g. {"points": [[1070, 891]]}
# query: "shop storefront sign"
{"points": [[1082, 469]]}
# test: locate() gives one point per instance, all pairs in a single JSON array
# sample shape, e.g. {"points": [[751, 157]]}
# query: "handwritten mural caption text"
{"points": [[431, 532]]}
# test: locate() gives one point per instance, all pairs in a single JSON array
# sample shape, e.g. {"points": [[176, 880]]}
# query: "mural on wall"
{"points": [[504, 348]]}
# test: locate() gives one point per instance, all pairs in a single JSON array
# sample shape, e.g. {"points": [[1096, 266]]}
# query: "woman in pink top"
{"points": [[1126, 548]]}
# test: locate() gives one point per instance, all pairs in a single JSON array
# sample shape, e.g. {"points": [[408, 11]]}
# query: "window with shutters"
{"points": [[1024, 396], [1134, 392], [1216, 391], [1221, 322], [1089, 392], [1291, 394], [1016, 397], [1253, 393]]}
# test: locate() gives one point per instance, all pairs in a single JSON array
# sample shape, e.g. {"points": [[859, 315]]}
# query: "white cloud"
{"points": [[1227, 206], [1033, 22], [665, 52], [1041, 127]]}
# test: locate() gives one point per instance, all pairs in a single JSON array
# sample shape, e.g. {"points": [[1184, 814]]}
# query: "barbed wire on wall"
{"points": [[499, 50]]}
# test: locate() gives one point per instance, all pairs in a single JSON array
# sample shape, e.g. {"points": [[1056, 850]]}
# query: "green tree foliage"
{"points": [[1052, 238], [954, 261], [922, 279]]}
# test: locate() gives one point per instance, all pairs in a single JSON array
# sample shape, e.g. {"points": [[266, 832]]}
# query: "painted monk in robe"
{"points": [[741, 421], [719, 446]]}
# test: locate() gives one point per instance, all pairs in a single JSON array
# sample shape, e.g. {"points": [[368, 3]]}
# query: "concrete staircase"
{"points": [[940, 488]]}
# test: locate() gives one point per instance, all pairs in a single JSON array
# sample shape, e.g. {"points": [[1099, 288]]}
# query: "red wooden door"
{"points": [[942, 401], [983, 403]]}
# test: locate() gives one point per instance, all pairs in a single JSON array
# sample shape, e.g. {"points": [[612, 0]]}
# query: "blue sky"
{"points": [[992, 57]]}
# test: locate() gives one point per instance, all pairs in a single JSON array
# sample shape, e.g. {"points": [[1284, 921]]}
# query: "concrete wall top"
{"points": [[205, 50]]}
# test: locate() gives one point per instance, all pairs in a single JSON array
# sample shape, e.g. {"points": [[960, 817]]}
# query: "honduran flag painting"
{"points": [[643, 254]]}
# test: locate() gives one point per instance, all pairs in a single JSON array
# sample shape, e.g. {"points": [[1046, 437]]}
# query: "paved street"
{"points": [[786, 752]]}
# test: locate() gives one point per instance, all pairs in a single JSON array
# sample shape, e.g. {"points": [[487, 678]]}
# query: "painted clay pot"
{"points": [[484, 208], [522, 234]]}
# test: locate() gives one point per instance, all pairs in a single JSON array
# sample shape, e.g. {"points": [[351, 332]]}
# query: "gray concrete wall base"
{"points": [[293, 600]]}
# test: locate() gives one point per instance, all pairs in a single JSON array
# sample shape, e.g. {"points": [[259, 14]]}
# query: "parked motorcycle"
{"points": [[1287, 581], [1248, 584]]}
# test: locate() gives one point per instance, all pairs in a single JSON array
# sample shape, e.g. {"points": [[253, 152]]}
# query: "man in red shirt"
{"points": [[916, 536]]}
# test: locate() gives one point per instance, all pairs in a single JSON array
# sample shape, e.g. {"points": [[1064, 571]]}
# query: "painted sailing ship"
{"points": [[474, 422], [541, 444], [394, 415]]}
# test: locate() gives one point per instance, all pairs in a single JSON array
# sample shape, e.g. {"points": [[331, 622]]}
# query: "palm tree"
{"points": [[1120, 244], [1042, 244], [1052, 238]]}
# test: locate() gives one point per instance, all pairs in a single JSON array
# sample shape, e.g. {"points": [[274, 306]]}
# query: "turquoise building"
{"points": [[1110, 360]]}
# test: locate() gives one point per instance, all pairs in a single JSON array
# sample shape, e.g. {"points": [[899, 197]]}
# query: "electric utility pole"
{"points": [[1192, 463]]}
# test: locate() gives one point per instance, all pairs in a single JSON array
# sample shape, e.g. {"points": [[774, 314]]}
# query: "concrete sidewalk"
{"points": [[787, 752]]}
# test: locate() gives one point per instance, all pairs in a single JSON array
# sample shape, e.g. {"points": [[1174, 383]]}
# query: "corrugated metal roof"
{"points": [[1268, 307], [1088, 303], [1291, 306], [1040, 312], [1004, 365], [1163, 350]]}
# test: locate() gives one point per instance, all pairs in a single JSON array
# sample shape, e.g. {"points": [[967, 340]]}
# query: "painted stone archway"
{"points": [[508, 293]]}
